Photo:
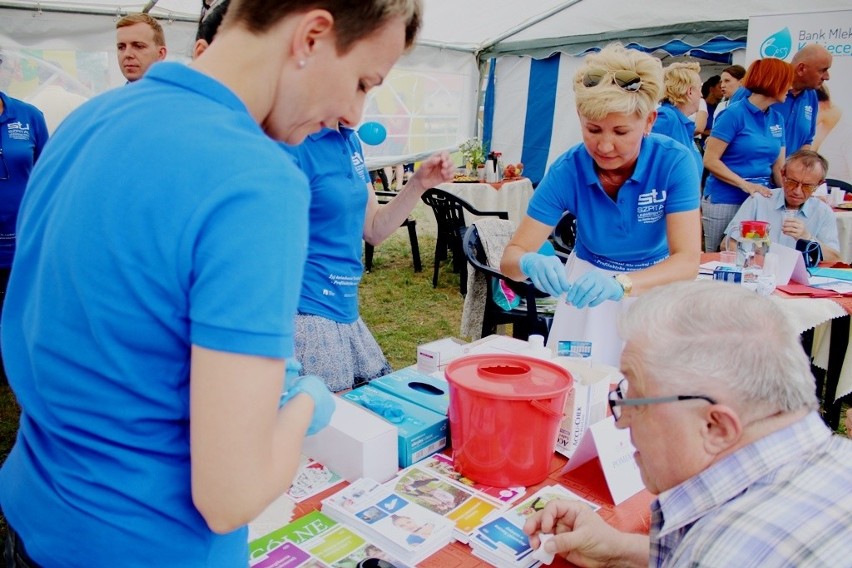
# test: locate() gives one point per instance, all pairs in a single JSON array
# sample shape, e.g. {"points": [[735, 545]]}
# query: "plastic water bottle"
{"points": [[536, 348]]}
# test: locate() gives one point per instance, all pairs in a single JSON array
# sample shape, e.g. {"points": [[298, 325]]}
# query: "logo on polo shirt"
{"points": [[19, 131], [651, 206], [809, 112], [359, 165], [776, 130]]}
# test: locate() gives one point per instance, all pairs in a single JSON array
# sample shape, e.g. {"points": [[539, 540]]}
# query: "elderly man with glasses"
{"points": [[790, 211], [722, 410]]}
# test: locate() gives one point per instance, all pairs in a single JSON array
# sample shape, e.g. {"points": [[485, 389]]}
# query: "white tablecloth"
{"points": [[844, 232], [816, 314], [512, 196]]}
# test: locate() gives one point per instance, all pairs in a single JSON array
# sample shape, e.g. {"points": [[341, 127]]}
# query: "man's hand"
{"points": [[795, 228], [583, 537]]}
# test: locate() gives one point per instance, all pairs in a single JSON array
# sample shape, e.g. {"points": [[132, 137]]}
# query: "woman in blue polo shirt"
{"points": [[23, 133], [635, 196], [148, 344], [681, 96], [745, 151], [332, 340]]}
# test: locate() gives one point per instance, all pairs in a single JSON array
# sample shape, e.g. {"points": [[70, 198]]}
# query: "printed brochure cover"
{"points": [[314, 541], [405, 529]]}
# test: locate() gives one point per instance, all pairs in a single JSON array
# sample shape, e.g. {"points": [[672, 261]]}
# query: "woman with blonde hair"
{"points": [[635, 196], [745, 151], [681, 97]]}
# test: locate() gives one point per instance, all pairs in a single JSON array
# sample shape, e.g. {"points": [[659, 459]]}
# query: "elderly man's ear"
{"points": [[722, 429]]}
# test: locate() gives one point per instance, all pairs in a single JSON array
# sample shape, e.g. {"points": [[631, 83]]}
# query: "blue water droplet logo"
{"points": [[779, 44]]}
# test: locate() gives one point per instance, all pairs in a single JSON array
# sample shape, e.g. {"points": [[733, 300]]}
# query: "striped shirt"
{"points": [[785, 500]]}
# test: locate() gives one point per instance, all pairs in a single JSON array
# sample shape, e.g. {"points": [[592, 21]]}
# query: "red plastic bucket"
{"points": [[505, 412]]}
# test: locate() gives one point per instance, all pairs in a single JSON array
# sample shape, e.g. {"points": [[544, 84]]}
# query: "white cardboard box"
{"points": [[356, 444], [431, 356], [588, 404]]}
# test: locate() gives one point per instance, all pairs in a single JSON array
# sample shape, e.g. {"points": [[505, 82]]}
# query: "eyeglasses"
{"points": [[627, 80], [791, 184], [4, 170], [617, 399]]}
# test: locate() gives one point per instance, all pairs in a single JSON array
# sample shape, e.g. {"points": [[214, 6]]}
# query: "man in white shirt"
{"points": [[791, 211]]}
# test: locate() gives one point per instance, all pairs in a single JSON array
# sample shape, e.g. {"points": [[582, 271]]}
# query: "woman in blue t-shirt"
{"points": [[681, 96], [635, 197], [23, 134], [745, 151]]}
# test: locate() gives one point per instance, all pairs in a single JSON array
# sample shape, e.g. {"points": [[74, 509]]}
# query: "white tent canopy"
{"points": [[432, 99]]}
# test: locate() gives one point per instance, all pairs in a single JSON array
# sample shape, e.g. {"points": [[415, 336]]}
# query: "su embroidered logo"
{"points": [[18, 131]]}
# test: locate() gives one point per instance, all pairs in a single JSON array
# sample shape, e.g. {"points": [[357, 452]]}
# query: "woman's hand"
{"points": [[594, 288], [751, 188], [434, 170]]}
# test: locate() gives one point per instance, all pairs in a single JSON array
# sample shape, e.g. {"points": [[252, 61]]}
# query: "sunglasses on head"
{"points": [[626, 80]]}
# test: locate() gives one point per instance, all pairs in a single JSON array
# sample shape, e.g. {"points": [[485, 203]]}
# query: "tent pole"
{"points": [[527, 24], [148, 6]]}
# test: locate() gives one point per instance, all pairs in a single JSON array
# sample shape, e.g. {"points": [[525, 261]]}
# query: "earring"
{"points": [[302, 63]]}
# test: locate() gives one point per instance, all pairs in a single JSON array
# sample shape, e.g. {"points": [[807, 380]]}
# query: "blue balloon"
{"points": [[372, 133]]}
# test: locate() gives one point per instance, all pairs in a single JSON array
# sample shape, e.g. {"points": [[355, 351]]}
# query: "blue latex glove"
{"points": [[546, 272], [324, 406], [292, 371], [592, 289]]}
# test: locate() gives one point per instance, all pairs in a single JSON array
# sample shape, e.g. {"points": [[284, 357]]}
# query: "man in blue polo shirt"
{"points": [[791, 212], [799, 111]]}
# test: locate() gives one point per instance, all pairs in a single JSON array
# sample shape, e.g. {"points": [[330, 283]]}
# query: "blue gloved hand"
{"points": [[292, 371], [324, 406], [593, 288], [546, 272]]}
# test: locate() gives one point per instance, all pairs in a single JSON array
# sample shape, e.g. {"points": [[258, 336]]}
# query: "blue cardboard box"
{"points": [[422, 432], [410, 384]]}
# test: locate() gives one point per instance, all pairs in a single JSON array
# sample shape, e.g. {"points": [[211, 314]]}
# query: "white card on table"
{"points": [[615, 451]]}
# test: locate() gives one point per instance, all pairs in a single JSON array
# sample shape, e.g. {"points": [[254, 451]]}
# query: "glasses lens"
{"points": [[628, 80], [792, 184], [593, 77]]}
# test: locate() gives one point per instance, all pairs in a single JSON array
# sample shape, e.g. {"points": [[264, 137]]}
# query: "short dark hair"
{"points": [[353, 20], [735, 71], [709, 84], [211, 19]]}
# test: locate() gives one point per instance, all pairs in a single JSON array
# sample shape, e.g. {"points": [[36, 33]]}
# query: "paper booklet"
{"points": [[432, 484], [311, 478], [501, 541], [405, 529], [314, 541]]}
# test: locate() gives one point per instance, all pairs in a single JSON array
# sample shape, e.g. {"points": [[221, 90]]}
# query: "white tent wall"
{"points": [[427, 102], [511, 121], [72, 43]]}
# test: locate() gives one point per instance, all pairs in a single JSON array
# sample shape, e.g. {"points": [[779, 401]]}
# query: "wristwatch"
{"points": [[625, 282]]}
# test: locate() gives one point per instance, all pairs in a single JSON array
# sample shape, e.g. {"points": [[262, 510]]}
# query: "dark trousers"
{"points": [[14, 553]]}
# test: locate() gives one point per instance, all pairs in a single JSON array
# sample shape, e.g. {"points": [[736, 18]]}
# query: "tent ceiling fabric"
{"points": [[474, 25]]}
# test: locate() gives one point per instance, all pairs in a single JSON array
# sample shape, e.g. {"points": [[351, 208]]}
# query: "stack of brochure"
{"points": [[314, 541], [400, 526], [501, 540], [435, 485]]}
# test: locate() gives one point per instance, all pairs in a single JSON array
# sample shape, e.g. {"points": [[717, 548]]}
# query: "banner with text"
{"points": [[782, 36]]}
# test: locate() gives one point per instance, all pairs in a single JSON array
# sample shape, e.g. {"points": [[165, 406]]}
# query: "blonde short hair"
{"points": [[606, 97], [677, 79]]}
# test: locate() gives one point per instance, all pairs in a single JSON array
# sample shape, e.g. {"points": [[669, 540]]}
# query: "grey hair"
{"points": [[723, 340]]}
